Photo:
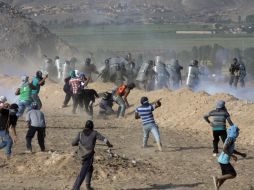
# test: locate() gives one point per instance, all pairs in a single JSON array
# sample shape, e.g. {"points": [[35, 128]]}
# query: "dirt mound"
{"points": [[186, 139], [181, 109], [22, 39], [108, 166]]}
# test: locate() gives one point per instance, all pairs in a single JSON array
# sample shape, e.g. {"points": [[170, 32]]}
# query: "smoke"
{"points": [[9, 93], [212, 88]]}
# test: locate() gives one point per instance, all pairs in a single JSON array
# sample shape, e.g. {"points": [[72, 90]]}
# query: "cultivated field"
{"points": [[147, 37]]}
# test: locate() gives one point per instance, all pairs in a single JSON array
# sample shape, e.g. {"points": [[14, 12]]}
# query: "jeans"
{"points": [[233, 80], [153, 128], [216, 138], [40, 136], [22, 107], [85, 173], [6, 142], [122, 107], [36, 98]]}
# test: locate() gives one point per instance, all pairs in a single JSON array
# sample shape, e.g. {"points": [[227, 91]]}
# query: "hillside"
{"points": [[22, 39], [144, 11]]}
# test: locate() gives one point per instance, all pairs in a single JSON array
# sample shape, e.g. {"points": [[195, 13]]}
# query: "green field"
{"points": [[139, 37]]}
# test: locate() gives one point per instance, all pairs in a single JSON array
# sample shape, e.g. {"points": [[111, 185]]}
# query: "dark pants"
{"points": [[106, 108], [242, 82], [89, 108], [86, 173], [66, 99], [40, 135], [233, 80], [77, 100], [216, 138]]}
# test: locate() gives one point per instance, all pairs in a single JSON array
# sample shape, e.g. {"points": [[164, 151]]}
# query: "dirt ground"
{"points": [[185, 163]]}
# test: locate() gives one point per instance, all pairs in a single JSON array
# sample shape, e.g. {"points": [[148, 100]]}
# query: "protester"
{"points": [[220, 116], [25, 95], [89, 99], [86, 141], [120, 97], [36, 123], [228, 171], [67, 90], [8, 122], [76, 90], [106, 104], [3, 99], [37, 82], [145, 112]]}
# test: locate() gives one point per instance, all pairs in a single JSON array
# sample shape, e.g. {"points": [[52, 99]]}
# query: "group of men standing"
{"points": [[28, 93]]}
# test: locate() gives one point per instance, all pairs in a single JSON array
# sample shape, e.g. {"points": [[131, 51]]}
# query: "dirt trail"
{"points": [[185, 163]]}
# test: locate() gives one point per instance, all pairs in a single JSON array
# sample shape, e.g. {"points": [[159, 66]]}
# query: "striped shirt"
{"points": [[146, 113]]}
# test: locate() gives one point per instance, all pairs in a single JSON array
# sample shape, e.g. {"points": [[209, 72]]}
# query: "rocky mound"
{"points": [[22, 39]]}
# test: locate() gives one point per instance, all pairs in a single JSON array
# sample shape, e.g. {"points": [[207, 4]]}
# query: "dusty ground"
{"points": [[185, 163]]}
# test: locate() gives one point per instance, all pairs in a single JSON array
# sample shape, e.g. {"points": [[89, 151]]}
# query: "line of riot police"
{"points": [[151, 75]]}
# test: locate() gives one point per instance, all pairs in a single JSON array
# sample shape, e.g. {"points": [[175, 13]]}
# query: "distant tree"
{"points": [[250, 19]]}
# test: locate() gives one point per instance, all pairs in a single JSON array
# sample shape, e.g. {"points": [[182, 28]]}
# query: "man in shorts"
{"points": [[228, 172]]}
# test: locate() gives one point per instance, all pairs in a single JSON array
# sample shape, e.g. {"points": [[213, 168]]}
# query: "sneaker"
{"points": [[28, 152], [88, 187], [215, 183], [214, 154], [159, 146], [8, 157]]}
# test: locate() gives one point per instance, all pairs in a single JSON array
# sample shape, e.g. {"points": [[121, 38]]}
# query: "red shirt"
{"points": [[75, 85]]}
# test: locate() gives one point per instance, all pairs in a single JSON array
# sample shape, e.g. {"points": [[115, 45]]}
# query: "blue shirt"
{"points": [[37, 85], [146, 113], [225, 158]]}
